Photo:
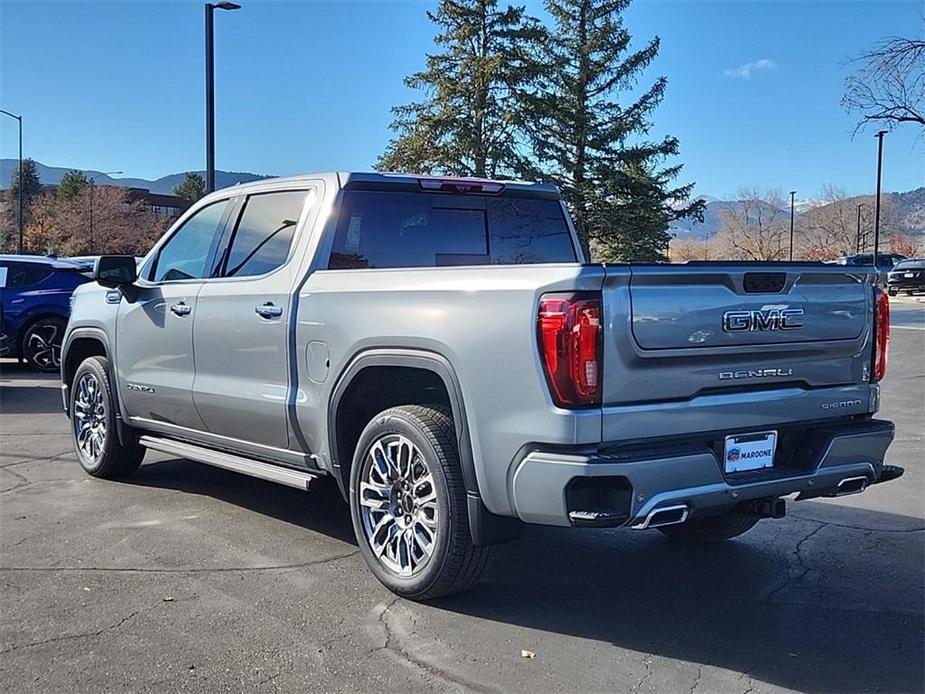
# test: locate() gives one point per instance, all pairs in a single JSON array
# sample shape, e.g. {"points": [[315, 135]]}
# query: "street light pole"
{"points": [[210, 90], [879, 137], [857, 243], [19, 120], [792, 193], [92, 180]]}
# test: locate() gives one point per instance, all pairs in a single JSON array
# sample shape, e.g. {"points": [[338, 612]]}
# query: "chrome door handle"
{"points": [[268, 310], [181, 309]]}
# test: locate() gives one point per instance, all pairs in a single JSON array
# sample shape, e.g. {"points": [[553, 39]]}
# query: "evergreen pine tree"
{"points": [[31, 189], [593, 144], [468, 123], [192, 188], [72, 184]]}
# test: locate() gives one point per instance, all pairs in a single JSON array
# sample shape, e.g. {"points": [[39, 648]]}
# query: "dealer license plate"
{"points": [[750, 451]]}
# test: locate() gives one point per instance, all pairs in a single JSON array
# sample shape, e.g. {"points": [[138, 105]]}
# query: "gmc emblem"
{"points": [[762, 319]]}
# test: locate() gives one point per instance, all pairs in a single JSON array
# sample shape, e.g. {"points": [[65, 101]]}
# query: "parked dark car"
{"points": [[35, 295], [885, 261], [907, 276]]}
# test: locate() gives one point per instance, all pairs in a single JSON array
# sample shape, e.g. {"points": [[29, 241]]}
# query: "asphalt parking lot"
{"points": [[190, 578]]}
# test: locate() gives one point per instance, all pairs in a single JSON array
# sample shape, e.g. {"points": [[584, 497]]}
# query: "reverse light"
{"points": [[569, 327], [881, 334]]}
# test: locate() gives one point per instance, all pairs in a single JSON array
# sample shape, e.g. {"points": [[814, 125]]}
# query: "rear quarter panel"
{"points": [[482, 320]]}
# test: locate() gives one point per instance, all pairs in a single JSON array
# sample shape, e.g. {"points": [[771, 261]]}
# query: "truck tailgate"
{"points": [[676, 336]]}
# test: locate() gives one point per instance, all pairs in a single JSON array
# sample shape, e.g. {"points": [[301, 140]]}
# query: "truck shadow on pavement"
{"points": [[801, 604], [322, 509], [814, 605]]}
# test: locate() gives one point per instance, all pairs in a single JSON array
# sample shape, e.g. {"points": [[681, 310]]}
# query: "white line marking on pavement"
{"points": [[907, 327]]}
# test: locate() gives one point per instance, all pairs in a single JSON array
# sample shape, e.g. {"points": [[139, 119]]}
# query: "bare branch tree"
{"points": [[754, 227], [888, 88]]}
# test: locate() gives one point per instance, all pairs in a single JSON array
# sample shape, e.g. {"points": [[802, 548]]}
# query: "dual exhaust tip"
{"points": [[763, 508], [673, 515]]}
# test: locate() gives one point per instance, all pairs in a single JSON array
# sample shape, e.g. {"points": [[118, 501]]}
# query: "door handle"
{"points": [[268, 310], [181, 309]]}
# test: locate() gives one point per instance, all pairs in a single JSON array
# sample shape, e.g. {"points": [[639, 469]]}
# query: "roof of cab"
{"points": [[363, 179]]}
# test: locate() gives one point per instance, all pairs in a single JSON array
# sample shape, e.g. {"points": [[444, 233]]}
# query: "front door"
{"points": [[154, 341], [241, 333]]}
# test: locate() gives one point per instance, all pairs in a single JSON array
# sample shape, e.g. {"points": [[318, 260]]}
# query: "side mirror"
{"points": [[115, 271]]}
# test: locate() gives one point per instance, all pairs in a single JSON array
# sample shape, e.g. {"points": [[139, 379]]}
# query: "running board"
{"points": [[229, 461]]}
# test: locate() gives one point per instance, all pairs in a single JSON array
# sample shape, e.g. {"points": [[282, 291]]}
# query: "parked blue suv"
{"points": [[35, 295]]}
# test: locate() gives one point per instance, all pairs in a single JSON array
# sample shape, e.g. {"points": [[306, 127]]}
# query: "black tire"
{"points": [[909, 293], [454, 563], [892, 292], [711, 529], [40, 347], [108, 458]]}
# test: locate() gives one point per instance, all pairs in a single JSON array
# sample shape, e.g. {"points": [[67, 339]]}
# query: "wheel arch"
{"points": [[80, 344], [486, 528]]}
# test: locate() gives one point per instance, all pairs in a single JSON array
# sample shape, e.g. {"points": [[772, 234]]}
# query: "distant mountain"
{"points": [[51, 175], [909, 213]]}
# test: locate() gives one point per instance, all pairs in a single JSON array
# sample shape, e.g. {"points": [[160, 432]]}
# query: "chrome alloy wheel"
{"points": [[43, 346], [90, 417], [398, 504]]}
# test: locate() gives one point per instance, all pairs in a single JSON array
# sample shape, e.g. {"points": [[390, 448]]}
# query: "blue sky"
{"points": [[753, 96]]}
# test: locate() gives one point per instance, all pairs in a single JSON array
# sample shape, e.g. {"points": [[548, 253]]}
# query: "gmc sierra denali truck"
{"points": [[441, 350]]}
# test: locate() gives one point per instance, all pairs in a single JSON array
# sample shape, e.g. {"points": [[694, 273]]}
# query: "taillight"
{"points": [[570, 346], [881, 333]]}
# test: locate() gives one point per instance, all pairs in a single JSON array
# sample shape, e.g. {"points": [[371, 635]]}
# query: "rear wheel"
{"points": [[41, 344], [408, 504], [93, 424], [712, 529]]}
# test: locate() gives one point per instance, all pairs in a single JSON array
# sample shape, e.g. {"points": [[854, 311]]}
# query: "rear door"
{"points": [[241, 331], [154, 342], [676, 333]]}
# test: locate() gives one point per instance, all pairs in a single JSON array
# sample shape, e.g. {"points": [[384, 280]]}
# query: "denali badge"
{"points": [[143, 389], [763, 319], [754, 373]]}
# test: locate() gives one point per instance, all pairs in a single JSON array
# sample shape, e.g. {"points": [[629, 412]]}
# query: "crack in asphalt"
{"points": [[859, 527], [193, 570], [82, 635], [802, 570], [392, 643], [647, 662]]}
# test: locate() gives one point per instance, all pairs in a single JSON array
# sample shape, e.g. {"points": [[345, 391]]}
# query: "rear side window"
{"points": [[397, 229], [26, 274], [264, 233]]}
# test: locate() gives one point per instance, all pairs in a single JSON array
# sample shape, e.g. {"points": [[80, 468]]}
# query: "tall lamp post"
{"points": [[792, 193], [857, 244], [19, 120], [210, 90], [92, 181], [879, 137]]}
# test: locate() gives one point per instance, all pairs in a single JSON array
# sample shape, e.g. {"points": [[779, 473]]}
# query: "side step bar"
{"points": [[229, 461]]}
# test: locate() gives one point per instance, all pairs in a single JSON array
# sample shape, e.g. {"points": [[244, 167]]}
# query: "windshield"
{"points": [[915, 264]]}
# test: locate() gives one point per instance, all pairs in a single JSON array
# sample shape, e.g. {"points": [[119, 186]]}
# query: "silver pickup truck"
{"points": [[441, 350]]}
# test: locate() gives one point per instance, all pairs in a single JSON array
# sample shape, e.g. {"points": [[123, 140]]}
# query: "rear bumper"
{"points": [[692, 477]]}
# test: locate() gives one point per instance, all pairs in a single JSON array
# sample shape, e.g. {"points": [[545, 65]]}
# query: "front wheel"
{"points": [[93, 424], [41, 344], [711, 529], [408, 504]]}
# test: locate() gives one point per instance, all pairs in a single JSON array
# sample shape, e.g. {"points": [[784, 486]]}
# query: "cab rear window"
{"points": [[378, 229]]}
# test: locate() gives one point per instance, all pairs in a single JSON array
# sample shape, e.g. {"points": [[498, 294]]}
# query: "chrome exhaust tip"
{"points": [[668, 515], [851, 485]]}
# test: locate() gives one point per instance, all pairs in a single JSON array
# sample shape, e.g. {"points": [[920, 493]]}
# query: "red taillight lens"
{"points": [[881, 333], [570, 347]]}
